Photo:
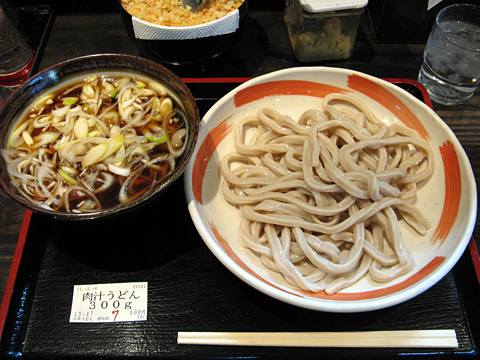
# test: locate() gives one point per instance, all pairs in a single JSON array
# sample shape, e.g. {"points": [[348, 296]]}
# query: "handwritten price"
{"points": [[139, 314]]}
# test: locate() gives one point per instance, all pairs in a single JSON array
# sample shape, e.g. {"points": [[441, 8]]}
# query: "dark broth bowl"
{"points": [[189, 54], [52, 77]]}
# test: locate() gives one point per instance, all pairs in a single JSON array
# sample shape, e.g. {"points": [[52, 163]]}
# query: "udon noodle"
{"points": [[96, 143], [321, 197]]}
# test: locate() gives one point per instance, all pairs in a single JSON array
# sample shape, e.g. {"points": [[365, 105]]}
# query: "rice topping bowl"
{"points": [[172, 12]]}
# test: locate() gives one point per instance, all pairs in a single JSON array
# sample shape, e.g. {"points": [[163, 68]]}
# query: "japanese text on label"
{"points": [[109, 302]]}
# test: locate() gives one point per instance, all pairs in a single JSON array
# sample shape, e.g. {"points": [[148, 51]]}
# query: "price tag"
{"points": [[109, 302]]}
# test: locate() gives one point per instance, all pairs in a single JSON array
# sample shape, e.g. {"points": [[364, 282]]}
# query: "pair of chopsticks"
{"points": [[361, 339]]}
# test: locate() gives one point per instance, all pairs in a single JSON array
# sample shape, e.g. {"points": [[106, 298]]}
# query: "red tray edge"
{"points": [[12, 276]]}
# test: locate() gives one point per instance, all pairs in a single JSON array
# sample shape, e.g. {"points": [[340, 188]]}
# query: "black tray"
{"points": [[190, 290]]}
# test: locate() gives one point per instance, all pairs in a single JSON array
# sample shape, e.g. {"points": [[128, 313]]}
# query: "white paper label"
{"points": [[109, 302]]}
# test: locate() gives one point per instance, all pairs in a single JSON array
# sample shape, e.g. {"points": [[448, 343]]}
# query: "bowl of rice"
{"points": [[330, 189], [165, 31]]}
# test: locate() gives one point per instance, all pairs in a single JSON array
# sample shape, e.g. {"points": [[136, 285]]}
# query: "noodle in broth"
{"points": [[320, 198], [97, 143]]}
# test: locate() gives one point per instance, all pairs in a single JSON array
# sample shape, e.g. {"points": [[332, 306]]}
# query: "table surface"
{"points": [[76, 34]]}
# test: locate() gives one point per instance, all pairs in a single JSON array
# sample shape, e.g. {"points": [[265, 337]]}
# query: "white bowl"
{"points": [[449, 197]]}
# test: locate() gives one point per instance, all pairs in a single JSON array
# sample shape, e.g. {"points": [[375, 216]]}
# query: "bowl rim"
{"points": [[181, 28], [33, 81], [335, 306]]}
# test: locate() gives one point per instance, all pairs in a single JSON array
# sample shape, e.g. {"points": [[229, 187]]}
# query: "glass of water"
{"points": [[16, 57], [451, 61]]}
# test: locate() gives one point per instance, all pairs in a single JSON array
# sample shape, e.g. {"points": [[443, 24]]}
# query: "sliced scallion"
{"points": [[114, 143], [94, 154], [70, 100], [67, 177], [159, 140], [44, 139]]}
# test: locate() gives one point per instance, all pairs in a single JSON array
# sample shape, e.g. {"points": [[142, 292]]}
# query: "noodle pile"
{"points": [[320, 198]]}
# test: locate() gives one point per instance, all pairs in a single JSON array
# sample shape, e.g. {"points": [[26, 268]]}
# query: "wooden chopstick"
{"points": [[362, 339]]}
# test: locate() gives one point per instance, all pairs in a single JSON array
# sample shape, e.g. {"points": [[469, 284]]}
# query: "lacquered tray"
{"points": [[190, 290]]}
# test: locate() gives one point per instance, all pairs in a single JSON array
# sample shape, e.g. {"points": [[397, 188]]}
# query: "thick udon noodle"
{"points": [[96, 143], [321, 197]]}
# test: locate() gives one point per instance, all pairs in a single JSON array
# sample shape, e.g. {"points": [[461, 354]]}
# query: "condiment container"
{"points": [[322, 30]]}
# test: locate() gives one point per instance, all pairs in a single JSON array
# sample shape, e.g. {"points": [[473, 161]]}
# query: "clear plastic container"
{"points": [[323, 30]]}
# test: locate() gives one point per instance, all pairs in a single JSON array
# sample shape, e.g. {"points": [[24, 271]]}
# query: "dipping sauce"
{"points": [[101, 141]]}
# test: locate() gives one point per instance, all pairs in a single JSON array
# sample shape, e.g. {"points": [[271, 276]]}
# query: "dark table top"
{"points": [[77, 34]]}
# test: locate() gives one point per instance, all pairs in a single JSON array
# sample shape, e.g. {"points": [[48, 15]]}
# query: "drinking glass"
{"points": [[451, 60], [16, 57]]}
